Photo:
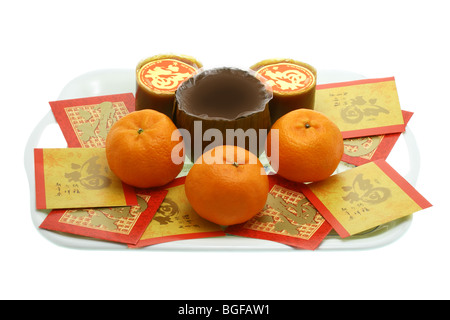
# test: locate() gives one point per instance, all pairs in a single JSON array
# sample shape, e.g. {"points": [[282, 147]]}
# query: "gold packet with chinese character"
{"points": [[78, 178], [176, 220], [361, 108], [364, 197]]}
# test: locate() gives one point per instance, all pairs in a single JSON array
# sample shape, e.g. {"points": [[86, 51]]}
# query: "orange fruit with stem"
{"points": [[310, 146], [145, 149], [227, 185]]}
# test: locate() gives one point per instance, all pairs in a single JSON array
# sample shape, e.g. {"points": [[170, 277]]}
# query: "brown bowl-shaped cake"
{"points": [[223, 106]]}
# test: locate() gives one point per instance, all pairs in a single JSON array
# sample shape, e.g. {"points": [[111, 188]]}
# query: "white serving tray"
{"points": [[47, 134]]}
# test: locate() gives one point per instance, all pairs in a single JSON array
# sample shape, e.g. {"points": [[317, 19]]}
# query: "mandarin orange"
{"points": [[227, 185], [310, 146], [139, 149]]}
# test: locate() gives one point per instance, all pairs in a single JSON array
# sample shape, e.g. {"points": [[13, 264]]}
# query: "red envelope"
{"points": [[85, 122], [117, 224], [358, 151], [177, 220], [288, 218]]}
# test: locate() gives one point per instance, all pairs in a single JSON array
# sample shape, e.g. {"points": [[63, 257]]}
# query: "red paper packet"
{"points": [[85, 122], [358, 151], [117, 224], [177, 220], [282, 221]]}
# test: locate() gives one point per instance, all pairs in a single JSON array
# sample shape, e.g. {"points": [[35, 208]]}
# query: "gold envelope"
{"points": [[363, 107], [78, 178], [364, 197]]}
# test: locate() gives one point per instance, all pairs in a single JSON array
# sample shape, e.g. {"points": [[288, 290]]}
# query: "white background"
{"points": [[45, 44]]}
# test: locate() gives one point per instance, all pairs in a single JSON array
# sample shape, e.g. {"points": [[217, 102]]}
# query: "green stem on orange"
{"points": [[140, 130], [236, 164]]}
